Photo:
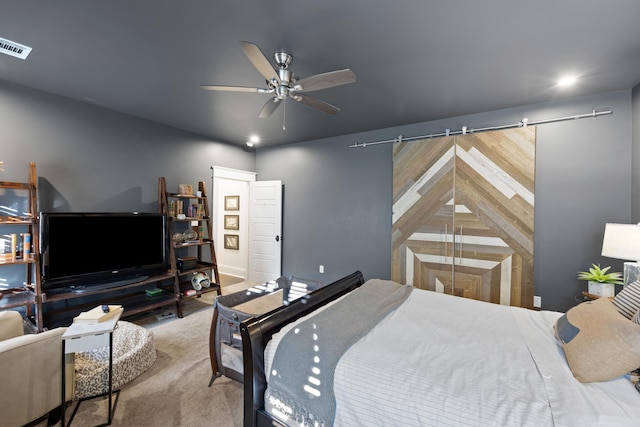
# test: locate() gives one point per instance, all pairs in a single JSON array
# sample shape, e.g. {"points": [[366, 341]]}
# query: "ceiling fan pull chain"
{"points": [[284, 114]]}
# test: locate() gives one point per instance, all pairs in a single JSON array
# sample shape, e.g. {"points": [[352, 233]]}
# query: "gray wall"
{"points": [[338, 199], [89, 158], [336, 207], [635, 177]]}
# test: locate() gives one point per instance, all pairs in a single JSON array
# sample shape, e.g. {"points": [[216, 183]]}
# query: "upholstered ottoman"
{"points": [[133, 353]]}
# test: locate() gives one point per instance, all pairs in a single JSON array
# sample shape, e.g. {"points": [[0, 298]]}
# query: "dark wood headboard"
{"points": [[257, 331]]}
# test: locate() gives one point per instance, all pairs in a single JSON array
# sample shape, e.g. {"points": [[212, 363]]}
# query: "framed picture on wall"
{"points": [[231, 241], [232, 203], [232, 222]]}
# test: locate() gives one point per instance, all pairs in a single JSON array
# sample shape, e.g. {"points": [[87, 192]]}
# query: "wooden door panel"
{"points": [[492, 183], [412, 160], [422, 208], [435, 277], [427, 199], [499, 194], [468, 285]]}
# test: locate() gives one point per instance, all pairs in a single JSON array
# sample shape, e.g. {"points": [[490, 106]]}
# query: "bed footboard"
{"points": [[257, 331]]}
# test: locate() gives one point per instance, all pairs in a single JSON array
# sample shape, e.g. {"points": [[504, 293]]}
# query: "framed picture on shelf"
{"points": [[232, 203], [185, 189], [231, 241], [232, 222]]}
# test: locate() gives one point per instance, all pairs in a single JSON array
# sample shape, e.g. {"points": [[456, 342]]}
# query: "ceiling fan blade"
{"points": [[234, 88], [259, 61], [326, 80], [269, 107], [325, 107]]}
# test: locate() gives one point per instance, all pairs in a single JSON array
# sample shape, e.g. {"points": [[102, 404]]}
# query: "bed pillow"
{"points": [[628, 300], [599, 343]]}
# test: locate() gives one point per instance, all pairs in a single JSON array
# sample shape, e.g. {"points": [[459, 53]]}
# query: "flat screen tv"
{"points": [[90, 251]]}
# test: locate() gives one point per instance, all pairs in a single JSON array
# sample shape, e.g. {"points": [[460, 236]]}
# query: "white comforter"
{"points": [[443, 360]]}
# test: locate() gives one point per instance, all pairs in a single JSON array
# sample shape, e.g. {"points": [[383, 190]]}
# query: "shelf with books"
{"points": [[190, 233], [19, 247]]}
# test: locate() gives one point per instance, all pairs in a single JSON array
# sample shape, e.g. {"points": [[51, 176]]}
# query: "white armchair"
{"points": [[30, 367]]}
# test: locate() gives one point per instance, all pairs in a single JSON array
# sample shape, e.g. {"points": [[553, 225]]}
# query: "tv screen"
{"points": [[86, 250]]}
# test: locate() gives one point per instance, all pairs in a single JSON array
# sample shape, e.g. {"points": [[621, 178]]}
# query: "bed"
{"points": [[427, 358]]}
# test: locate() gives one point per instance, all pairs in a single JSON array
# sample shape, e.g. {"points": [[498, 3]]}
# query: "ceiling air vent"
{"points": [[18, 50]]}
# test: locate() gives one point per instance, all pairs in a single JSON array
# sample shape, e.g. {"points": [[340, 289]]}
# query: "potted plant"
{"points": [[601, 282]]}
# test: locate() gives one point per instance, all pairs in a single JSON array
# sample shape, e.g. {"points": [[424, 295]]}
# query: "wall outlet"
{"points": [[537, 301], [321, 269]]}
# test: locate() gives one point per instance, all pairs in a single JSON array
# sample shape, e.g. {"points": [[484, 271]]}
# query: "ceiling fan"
{"points": [[283, 84]]}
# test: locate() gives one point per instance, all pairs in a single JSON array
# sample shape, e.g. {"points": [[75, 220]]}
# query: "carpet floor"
{"points": [[174, 391]]}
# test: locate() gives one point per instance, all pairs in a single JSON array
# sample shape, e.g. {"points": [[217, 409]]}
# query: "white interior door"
{"points": [[265, 230]]}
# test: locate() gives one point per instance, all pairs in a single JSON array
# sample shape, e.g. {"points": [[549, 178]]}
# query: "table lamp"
{"points": [[622, 241]]}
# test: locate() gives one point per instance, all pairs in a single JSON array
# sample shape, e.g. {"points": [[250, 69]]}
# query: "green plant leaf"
{"points": [[597, 274]]}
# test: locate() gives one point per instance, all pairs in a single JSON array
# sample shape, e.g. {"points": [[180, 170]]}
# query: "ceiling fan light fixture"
{"points": [[282, 59], [283, 84]]}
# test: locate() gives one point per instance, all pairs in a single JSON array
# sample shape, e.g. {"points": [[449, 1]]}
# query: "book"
{"points": [[96, 315]]}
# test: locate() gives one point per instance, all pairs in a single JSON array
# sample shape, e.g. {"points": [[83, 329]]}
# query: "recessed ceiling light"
{"points": [[253, 139], [567, 81]]}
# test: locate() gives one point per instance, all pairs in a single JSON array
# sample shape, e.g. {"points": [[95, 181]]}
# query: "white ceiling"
{"points": [[415, 60]]}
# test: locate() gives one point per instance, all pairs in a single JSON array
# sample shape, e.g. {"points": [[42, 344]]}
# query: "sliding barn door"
{"points": [[463, 215]]}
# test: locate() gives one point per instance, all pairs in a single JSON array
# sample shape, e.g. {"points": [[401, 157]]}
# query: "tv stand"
{"points": [[60, 307], [99, 286]]}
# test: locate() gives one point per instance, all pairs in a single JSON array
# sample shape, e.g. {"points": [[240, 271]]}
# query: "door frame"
{"points": [[225, 180]]}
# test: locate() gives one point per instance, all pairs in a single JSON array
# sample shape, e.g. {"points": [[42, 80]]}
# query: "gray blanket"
{"points": [[301, 379]]}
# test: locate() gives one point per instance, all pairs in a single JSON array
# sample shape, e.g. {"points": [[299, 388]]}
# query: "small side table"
{"points": [[82, 337]]}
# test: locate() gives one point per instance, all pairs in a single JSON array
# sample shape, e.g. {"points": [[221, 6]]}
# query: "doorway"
{"points": [[247, 224]]}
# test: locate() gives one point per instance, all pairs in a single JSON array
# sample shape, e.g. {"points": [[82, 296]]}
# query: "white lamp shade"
{"points": [[621, 241]]}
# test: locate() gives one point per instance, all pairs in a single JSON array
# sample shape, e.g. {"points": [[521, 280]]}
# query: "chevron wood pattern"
{"points": [[463, 215]]}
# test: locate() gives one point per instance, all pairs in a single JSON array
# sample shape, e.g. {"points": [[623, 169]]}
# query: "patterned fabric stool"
{"points": [[133, 353]]}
